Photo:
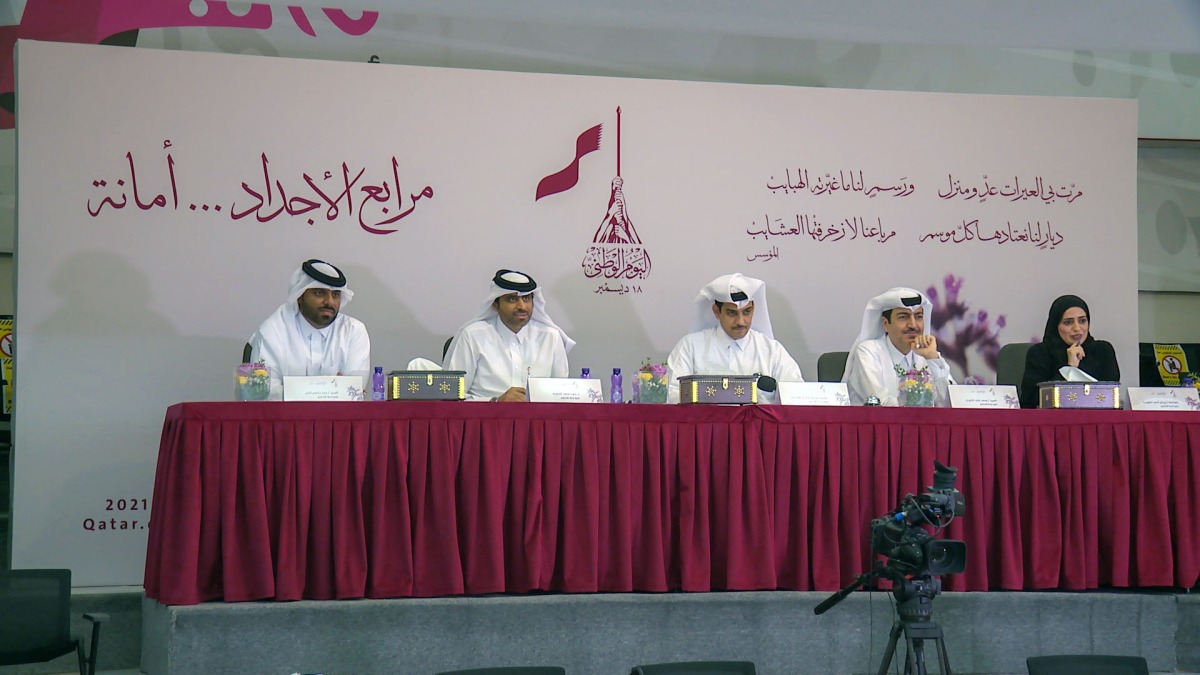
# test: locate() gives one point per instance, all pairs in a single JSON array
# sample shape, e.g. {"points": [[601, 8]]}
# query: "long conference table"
{"points": [[288, 501]]}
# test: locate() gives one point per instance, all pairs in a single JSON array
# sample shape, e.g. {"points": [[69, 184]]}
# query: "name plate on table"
{"points": [[813, 393], [984, 396], [322, 388], [564, 390], [1164, 398]]}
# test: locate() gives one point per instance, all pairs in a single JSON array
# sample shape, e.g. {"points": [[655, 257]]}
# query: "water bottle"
{"points": [[378, 390], [585, 374], [614, 392]]}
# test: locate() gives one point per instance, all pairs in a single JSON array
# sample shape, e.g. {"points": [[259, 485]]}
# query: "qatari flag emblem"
{"points": [[588, 141]]}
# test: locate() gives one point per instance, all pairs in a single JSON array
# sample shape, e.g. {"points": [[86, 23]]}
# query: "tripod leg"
{"points": [[890, 650], [914, 660], [943, 658]]}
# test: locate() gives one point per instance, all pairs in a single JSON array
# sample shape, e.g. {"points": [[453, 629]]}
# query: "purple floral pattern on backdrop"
{"points": [[967, 338]]}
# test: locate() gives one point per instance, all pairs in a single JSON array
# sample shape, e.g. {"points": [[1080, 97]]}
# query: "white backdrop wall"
{"points": [[132, 298]]}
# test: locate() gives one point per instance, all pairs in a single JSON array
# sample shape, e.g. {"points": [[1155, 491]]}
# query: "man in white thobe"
{"points": [[893, 339], [511, 339], [723, 341], [308, 334]]}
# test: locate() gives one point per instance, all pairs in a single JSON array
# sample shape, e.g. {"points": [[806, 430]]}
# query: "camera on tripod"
{"points": [[915, 561], [900, 536]]}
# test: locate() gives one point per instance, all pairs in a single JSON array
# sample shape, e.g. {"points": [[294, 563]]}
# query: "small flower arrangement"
{"points": [[652, 382], [916, 387], [252, 382]]}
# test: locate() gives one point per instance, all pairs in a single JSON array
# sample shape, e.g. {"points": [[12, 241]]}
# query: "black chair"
{"points": [[1010, 363], [510, 670], [696, 668], [35, 619], [446, 347], [246, 352], [1086, 664], [831, 366]]}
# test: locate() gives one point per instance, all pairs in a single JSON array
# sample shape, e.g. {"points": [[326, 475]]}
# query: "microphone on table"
{"points": [[767, 383]]}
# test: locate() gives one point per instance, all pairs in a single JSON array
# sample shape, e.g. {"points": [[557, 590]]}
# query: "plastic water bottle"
{"points": [[614, 392], [378, 390], [586, 374]]}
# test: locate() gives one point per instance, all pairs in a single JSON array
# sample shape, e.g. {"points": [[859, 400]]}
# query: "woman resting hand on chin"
{"points": [[1067, 351]]}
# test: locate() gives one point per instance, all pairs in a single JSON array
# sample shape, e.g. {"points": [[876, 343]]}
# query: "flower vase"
{"points": [[916, 388], [252, 382], [653, 384]]}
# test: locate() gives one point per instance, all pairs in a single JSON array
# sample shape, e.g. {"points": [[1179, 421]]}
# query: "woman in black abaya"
{"points": [[1067, 344]]}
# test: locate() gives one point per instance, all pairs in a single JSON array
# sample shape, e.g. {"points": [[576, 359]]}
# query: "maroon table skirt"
{"points": [[290, 501]]}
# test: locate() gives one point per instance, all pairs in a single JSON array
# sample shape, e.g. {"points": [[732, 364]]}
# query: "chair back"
{"points": [[1086, 664], [1010, 364], [510, 670], [446, 346], [246, 352], [35, 619], [697, 667], [831, 366]]}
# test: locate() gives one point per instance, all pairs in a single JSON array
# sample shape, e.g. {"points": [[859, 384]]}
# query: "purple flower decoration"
{"points": [[960, 331]]}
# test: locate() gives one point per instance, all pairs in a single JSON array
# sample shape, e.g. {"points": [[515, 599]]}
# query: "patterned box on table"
{"points": [[427, 385], [736, 389], [1080, 395]]}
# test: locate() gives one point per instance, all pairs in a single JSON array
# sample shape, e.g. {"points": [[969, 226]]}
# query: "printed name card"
{"points": [[1164, 398], [322, 388], [984, 396], [813, 393], [563, 390]]}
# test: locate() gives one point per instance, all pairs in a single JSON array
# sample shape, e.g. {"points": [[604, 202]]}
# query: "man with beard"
{"points": [[893, 341], [723, 342], [308, 334], [511, 339]]}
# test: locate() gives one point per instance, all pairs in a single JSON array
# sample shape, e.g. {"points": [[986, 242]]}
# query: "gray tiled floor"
{"points": [[138, 672]]}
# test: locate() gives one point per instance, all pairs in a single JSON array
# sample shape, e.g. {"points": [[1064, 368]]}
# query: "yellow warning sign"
{"points": [[1171, 362]]}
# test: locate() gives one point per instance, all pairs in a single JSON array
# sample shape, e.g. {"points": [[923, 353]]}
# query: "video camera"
{"points": [[910, 549]]}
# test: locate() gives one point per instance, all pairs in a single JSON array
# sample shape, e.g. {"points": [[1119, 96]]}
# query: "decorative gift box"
{"points": [[427, 385], [736, 389], [1080, 395]]}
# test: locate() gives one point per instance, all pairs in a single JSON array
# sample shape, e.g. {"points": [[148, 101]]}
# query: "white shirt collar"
{"points": [[506, 333], [308, 331], [897, 356], [728, 342]]}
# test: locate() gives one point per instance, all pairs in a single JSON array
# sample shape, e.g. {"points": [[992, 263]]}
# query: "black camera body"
{"points": [[901, 537]]}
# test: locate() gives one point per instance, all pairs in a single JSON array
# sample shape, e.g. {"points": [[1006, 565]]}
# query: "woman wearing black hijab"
{"points": [[1067, 341]]}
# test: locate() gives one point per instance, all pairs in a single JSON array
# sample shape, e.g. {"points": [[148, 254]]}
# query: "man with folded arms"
{"points": [[893, 341], [511, 339], [308, 334], [723, 341]]}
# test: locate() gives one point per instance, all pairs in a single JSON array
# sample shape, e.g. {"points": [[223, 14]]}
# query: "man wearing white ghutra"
{"points": [[723, 341], [308, 334], [893, 340], [510, 339]]}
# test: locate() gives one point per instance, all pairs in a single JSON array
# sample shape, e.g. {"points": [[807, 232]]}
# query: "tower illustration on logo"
{"points": [[616, 250]]}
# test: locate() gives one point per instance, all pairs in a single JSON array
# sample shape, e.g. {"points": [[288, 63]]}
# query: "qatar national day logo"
{"points": [[616, 251]]}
